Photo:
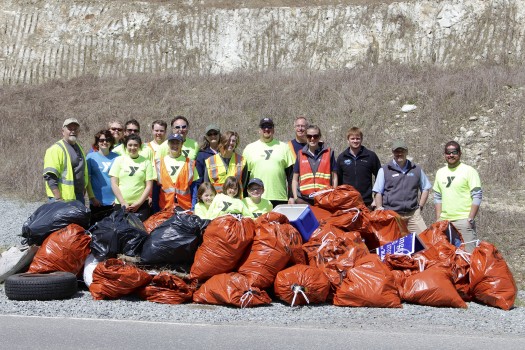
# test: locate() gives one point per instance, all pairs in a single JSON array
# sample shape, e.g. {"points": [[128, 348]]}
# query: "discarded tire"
{"points": [[39, 286]]}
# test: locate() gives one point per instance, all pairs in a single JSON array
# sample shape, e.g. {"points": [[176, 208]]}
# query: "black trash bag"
{"points": [[119, 233], [174, 242], [53, 216]]}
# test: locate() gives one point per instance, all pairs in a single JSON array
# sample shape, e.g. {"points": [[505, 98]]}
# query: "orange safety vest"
{"points": [[178, 191], [310, 182], [218, 173], [294, 155]]}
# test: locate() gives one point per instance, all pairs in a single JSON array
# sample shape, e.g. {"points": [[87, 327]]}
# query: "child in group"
{"points": [[255, 203], [228, 201], [205, 195]]}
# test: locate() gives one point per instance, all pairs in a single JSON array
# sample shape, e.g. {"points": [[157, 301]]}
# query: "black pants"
{"points": [[276, 202]]}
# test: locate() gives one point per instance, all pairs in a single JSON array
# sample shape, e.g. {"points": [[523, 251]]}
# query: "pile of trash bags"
{"points": [[176, 257]]}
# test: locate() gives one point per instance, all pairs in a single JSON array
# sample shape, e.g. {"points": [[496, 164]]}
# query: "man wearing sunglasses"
{"points": [[271, 161], [132, 126], [190, 148], [458, 194]]}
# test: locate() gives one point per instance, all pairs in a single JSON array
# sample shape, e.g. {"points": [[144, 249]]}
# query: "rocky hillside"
{"points": [[42, 40]]}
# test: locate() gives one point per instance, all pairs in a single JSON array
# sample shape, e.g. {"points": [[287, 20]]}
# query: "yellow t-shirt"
{"points": [[268, 161], [257, 210], [223, 204], [455, 186], [132, 175], [145, 151], [201, 210]]}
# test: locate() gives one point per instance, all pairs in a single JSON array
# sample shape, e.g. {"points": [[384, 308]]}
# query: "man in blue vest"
{"points": [[397, 187], [65, 167]]}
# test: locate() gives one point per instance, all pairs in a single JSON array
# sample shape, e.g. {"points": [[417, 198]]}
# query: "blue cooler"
{"points": [[301, 217]]}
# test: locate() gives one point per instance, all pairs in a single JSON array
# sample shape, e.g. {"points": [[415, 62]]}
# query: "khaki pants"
{"points": [[414, 220], [468, 232]]}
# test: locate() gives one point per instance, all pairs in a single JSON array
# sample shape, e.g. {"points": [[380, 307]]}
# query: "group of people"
{"points": [[214, 178]]}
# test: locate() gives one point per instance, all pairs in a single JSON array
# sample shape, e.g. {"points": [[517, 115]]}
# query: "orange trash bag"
{"points": [[224, 242], [432, 287], [63, 250], [320, 213], [168, 289], [456, 259], [440, 231], [370, 284], [387, 226], [334, 251], [270, 250], [230, 289], [157, 219], [293, 241], [491, 281], [339, 198], [301, 285], [350, 220], [403, 266], [114, 278]]}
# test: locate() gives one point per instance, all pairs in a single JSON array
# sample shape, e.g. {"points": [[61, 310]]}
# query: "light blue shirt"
{"points": [[379, 185], [98, 169]]}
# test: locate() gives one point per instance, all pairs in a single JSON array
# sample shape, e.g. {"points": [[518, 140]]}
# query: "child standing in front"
{"points": [[228, 201], [205, 195], [255, 203]]}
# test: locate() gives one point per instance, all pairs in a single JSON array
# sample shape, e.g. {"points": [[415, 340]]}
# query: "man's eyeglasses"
{"points": [[133, 130], [116, 129], [180, 127], [300, 126], [454, 152], [314, 137]]}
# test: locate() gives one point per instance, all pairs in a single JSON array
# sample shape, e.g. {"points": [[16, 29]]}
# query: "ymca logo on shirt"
{"points": [[174, 170], [133, 170], [185, 152], [226, 205], [268, 153], [449, 180], [105, 166]]}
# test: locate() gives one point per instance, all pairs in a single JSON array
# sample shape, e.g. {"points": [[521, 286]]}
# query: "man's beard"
{"points": [[72, 139]]}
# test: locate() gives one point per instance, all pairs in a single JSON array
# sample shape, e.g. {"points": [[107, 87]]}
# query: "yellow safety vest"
{"points": [[57, 162], [217, 172]]}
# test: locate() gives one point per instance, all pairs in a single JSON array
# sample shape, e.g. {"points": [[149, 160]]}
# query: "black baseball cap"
{"points": [[266, 122]]}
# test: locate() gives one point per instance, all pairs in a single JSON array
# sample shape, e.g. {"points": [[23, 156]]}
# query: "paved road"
{"points": [[19, 332]]}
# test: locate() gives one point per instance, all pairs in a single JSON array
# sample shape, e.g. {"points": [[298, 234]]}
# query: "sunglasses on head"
{"points": [[315, 137], [180, 126], [454, 152]]}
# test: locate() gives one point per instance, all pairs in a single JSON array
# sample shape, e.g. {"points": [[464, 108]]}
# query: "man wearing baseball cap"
{"points": [[397, 187], [271, 161], [65, 167]]}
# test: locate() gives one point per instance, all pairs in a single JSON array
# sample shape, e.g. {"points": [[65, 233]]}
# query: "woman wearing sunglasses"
{"points": [[314, 169], [99, 162]]}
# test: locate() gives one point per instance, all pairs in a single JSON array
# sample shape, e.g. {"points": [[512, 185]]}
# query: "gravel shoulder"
{"points": [[477, 319]]}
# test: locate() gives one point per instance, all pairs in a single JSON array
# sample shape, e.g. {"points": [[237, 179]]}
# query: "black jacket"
{"points": [[358, 171]]}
